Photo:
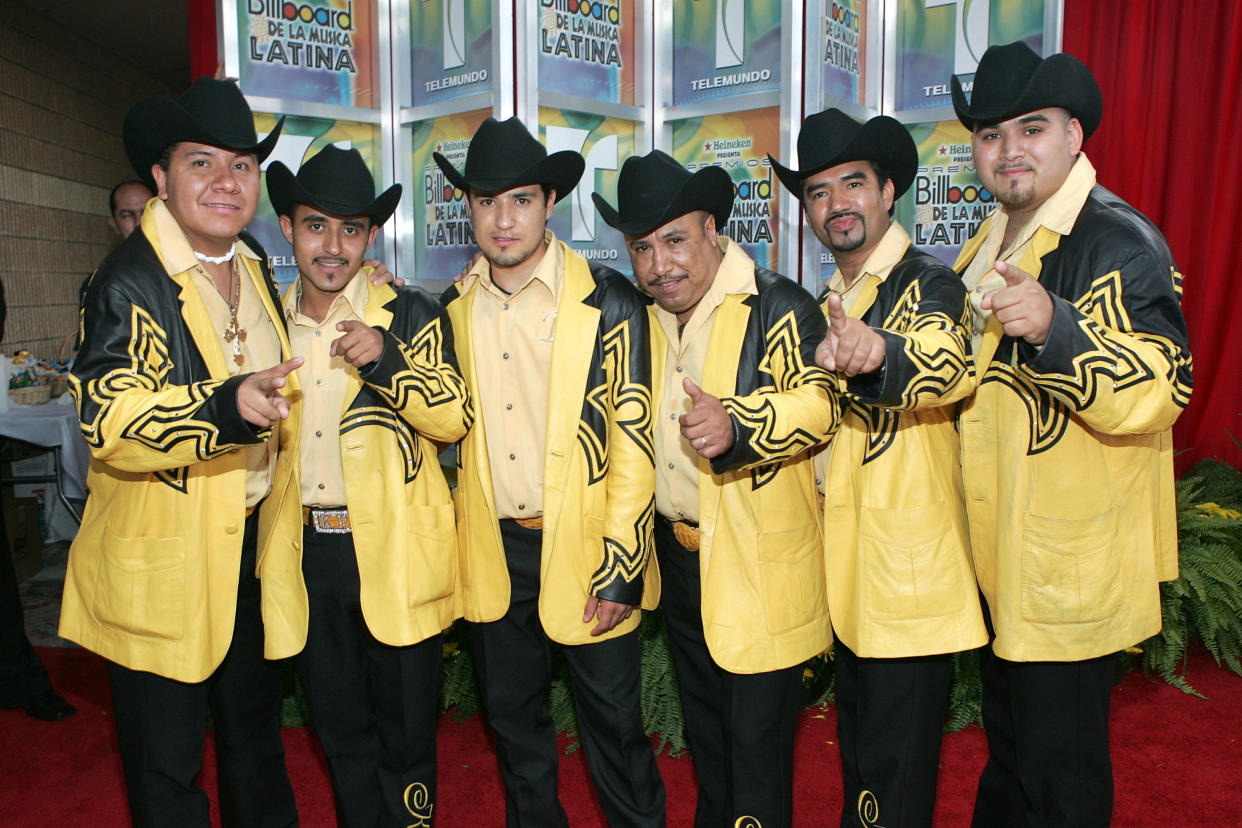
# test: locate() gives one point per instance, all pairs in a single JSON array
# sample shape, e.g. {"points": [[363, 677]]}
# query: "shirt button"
{"points": [[681, 514], [505, 355], [521, 506], [670, 465], [505, 306], [512, 456], [979, 289], [679, 369], [318, 333], [509, 407], [319, 382], [321, 485], [672, 416], [318, 433]]}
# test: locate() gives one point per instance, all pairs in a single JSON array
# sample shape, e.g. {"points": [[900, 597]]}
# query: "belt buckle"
{"points": [[330, 521]]}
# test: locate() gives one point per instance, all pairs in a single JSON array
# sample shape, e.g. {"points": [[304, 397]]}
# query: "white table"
{"points": [[54, 426]]}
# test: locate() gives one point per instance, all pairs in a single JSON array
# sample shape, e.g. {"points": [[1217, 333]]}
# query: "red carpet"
{"points": [[1177, 761]]}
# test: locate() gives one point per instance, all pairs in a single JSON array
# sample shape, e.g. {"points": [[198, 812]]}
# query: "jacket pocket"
{"points": [[141, 585], [1071, 569], [912, 562], [790, 577], [432, 553]]}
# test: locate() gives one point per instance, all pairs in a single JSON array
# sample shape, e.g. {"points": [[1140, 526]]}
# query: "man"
{"points": [[360, 577], [739, 403], [23, 678], [178, 385], [1082, 356], [126, 202], [555, 482], [900, 584]]}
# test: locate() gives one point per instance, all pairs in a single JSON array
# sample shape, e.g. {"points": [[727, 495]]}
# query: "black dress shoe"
{"points": [[49, 707]]}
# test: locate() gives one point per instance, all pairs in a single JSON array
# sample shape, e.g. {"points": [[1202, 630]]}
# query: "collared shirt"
{"points": [[893, 245], [677, 463], [1058, 214], [261, 347], [512, 335], [325, 382], [879, 264]]}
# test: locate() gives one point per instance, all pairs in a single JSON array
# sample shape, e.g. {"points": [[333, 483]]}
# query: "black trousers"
{"points": [[1047, 725], [22, 675], [159, 728], [512, 657], [890, 718], [374, 706], [741, 727]]}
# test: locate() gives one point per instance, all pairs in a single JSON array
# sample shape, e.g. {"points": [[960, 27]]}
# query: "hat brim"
{"points": [[285, 190], [882, 140], [158, 122], [560, 171], [709, 188], [1061, 80]]}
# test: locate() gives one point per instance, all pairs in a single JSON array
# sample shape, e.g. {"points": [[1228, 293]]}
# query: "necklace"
{"points": [[235, 333], [203, 257]]}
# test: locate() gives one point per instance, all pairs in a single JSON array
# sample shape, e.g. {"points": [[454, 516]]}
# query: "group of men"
{"points": [[924, 461]]}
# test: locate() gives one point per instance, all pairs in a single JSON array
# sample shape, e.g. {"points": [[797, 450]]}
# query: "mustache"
{"points": [[843, 214]]}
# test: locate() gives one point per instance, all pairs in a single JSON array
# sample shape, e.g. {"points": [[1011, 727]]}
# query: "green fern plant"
{"points": [[1205, 602]]}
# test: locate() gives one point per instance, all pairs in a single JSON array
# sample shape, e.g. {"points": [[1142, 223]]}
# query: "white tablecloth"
{"points": [[52, 424]]}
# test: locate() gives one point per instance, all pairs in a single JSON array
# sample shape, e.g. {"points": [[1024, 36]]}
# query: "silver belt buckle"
{"points": [[331, 521]]}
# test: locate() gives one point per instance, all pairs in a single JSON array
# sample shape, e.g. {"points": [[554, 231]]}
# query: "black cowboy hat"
{"points": [[504, 155], [1012, 80], [336, 181], [653, 189], [831, 137], [210, 112]]}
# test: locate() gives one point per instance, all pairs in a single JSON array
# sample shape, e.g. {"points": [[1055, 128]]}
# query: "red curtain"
{"points": [[1171, 74]]}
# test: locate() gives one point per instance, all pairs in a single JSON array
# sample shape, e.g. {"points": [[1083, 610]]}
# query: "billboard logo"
{"points": [[730, 33], [602, 156], [970, 32], [454, 27]]}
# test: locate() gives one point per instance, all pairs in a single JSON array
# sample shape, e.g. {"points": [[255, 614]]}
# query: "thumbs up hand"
{"points": [[707, 427], [1022, 306], [851, 346]]}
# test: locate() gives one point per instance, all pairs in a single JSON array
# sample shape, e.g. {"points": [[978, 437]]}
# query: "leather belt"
{"points": [[687, 534], [326, 521], [530, 523]]}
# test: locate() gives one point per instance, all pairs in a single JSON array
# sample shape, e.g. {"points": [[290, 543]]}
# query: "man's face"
{"points": [[131, 199], [677, 262], [211, 192], [509, 227], [328, 249], [1024, 160], [847, 207]]}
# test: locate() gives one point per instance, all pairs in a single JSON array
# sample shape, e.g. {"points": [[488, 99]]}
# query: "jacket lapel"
{"points": [[378, 313], [577, 326], [724, 351], [197, 320], [461, 315]]}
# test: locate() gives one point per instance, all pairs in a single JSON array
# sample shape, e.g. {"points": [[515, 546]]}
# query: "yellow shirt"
{"points": [[513, 336], [325, 381], [677, 466], [893, 245], [259, 350], [1058, 214]]}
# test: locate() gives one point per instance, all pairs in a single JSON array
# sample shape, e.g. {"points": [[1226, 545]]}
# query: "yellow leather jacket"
{"points": [[599, 473], [401, 513]]}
